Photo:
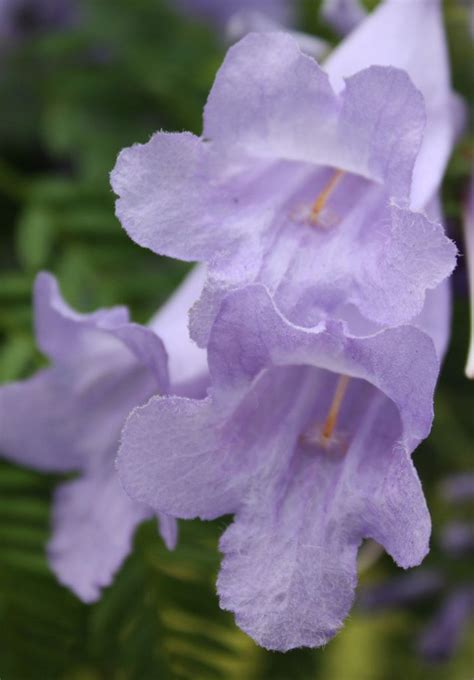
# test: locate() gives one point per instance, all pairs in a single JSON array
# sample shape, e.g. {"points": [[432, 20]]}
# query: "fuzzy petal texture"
{"points": [[289, 570], [301, 508], [378, 40], [270, 100]]}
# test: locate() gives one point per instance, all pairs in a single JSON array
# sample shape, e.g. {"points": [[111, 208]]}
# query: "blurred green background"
{"points": [[70, 100]]}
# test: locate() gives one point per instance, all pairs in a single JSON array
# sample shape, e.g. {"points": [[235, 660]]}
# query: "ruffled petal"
{"points": [[167, 198], [400, 256], [93, 526], [378, 40], [289, 570], [202, 466], [251, 335], [68, 337], [271, 101], [259, 405], [302, 509], [67, 417]]}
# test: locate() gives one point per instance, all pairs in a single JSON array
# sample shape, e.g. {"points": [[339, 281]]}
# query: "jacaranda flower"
{"points": [[68, 418], [295, 186], [305, 436]]}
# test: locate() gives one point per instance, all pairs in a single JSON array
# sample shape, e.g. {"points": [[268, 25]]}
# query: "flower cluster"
{"points": [[319, 316]]}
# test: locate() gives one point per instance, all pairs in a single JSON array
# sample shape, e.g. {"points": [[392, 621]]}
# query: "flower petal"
{"points": [[271, 101], [167, 201], [251, 335], [38, 423], [186, 360], [253, 416], [66, 417], [202, 465], [289, 570], [66, 336], [378, 40], [93, 526]]}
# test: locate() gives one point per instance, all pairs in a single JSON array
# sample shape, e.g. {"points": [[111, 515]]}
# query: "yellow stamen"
{"points": [[333, 414], [321, 200]]}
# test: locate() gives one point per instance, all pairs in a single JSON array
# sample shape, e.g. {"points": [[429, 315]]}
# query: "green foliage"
{"points": [[70, 101]]}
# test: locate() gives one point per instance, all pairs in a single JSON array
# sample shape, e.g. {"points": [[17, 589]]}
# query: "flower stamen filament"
{"points": [[333, 413], [323, 197]]}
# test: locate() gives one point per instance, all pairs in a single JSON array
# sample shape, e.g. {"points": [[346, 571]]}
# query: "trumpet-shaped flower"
{"points": [[68, 418], [293, 185], [305, 436]]}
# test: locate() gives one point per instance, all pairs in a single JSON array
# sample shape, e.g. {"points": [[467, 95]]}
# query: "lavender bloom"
{"points": [[469, 242], [305, 436], [343, 15], [292, 178], [68, 418]]}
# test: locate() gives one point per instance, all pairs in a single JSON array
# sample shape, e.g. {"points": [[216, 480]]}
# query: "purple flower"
{"points": [[68, 418], [306, 437], [469, 244], [343, 15], [291, 178]]}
